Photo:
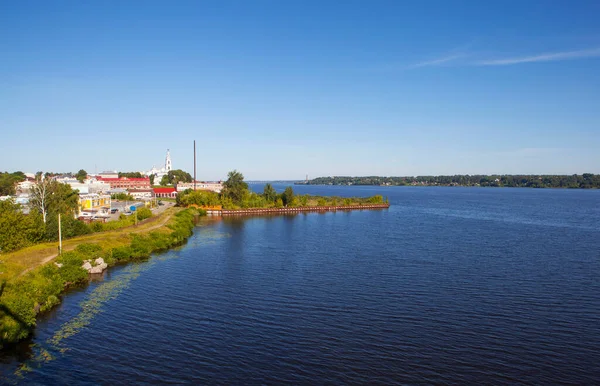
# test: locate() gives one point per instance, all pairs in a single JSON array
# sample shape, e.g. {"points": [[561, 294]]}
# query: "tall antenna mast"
{"points": [[194, 164]]}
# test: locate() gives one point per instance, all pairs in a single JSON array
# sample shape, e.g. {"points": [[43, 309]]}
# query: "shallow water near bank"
{"points": [[449, 285]]}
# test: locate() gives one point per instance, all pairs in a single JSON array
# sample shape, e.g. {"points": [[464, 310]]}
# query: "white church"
{"points": [[159, 173]]}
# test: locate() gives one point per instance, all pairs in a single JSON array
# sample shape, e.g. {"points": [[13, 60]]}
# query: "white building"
{"points": [[89, 185], [139, 194], [200, 185], [159, 173], [25, 186], [22, 199]]}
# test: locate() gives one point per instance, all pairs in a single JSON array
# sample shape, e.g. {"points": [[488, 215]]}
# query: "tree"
{"points": [[235, 187], [81, 175], [130, 174], [63, 199], [287, 196], [304, 200], [269, 193], [198, 197], [122, 197], [16, 228], [39, 195], [164, 181], [143, 213], [8, 182], [51, 197], [152, 176], [178, 175], [70, 227]]}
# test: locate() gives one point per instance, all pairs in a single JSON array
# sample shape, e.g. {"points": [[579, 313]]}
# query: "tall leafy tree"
{"points": [[15, 227], [8, 182], [269, 193], [287, 196], [235, 187], [164, 181], [51, 197], [178, 175], [63, 199], [81, 175]]}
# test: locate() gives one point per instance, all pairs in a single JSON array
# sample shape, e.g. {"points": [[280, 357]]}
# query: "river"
{"points": [[447, 286]]}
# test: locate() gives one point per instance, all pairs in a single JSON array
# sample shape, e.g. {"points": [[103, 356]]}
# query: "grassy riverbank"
{"points": [[16, 263], [30, 286]]}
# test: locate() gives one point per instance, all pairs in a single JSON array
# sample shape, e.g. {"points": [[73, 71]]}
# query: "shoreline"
{"points": [[39, 290], [460, 186]]}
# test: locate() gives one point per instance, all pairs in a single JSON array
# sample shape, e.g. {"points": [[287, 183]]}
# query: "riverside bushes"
{"points": [[37, 291], [237, 195], [143, 213], [269, 199]]}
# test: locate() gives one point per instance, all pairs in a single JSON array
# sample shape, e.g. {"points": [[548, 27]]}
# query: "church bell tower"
{"points": [[168, 162]]}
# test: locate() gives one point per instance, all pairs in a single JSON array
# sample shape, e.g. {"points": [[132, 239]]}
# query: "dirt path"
{"points": [[72, 247]]}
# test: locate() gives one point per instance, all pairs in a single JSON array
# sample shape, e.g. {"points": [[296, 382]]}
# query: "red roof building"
{"points": [[165, 192], [127, 183]]}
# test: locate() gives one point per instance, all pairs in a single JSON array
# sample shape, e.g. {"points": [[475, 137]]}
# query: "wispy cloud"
{"points": [[547, 57], [436, 62], [465, 57]]}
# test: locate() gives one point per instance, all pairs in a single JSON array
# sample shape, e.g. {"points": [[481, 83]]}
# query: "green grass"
{"points": [[14, 264]]}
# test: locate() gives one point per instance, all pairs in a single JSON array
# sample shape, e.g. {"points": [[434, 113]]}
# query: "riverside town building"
{"points": [[165, 192], [127, 183]]}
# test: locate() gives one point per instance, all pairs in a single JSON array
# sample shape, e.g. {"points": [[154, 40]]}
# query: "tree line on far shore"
{"points": [[575, 181], [236, 195]]}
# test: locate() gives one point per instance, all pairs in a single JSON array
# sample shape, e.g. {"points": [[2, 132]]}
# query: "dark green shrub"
{"points": [[160, 241], [71, 272], [141, 246], [88, 249], [143, 213], [122, 253], [70, 228], [96, 226]]}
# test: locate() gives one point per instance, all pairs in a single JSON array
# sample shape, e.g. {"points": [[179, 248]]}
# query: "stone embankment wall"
{"points": [[227, 212]]}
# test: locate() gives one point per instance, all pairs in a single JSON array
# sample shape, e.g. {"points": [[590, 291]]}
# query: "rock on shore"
{"points": [[98, 267]]}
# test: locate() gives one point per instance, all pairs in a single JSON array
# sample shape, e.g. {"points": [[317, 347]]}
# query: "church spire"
{"points": [[168, 162]]}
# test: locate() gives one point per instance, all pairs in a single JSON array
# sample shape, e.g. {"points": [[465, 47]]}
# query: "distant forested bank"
{"points": [[576, 181]]}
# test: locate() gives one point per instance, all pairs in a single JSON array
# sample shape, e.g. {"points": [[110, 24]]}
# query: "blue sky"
{"points": [[281, 89]]}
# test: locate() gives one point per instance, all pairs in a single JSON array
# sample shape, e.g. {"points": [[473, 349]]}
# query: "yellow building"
{"points": [[94, 201]]}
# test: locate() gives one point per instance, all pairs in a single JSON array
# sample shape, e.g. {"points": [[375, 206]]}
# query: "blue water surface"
{"points": [[447, 286]]}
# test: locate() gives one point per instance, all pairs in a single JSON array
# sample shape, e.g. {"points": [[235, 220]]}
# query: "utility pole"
{"points": [[59, 236], [194, 164]]}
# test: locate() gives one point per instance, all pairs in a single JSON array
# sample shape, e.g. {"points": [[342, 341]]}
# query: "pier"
{"points": [[300, 209]]}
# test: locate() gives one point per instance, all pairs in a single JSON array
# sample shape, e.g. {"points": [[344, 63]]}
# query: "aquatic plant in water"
{"points": [[95, 301]]}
